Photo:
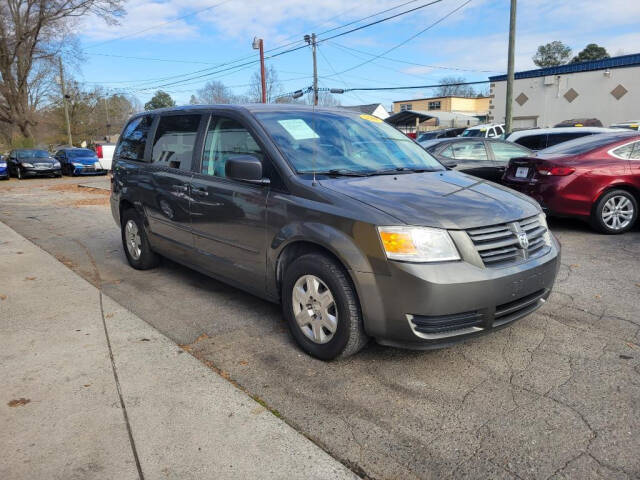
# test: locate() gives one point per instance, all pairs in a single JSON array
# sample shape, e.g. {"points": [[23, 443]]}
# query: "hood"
{"points": [[447, 199], [39, 160], [84, 160]]}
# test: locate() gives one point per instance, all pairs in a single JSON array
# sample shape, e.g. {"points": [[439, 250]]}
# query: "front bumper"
{"points": [[424, 306], [88, 170], [35, 172]]}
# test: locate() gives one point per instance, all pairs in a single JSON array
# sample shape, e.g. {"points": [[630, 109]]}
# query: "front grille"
{"points": [[514, 309], [499, 245], [445, 323], [42, 165]]}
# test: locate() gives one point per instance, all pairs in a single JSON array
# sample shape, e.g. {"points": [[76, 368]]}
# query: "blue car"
{"points": [[4, 171], [79, 161]]}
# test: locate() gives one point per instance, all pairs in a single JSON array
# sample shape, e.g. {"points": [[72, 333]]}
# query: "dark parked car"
{"points": [[596, 178], [480, 157], [4, 172], [32, 163], [541, 138], [443, 133], [79, 161], [357, 231]]}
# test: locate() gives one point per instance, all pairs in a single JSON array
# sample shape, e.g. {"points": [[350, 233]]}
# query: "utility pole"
{"points": [[311, 40], [106, 109], [64, 101], [258, 44], [508, 118]]}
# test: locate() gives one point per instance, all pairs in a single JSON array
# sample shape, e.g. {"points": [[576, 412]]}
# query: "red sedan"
{"points": [[596, 178]]}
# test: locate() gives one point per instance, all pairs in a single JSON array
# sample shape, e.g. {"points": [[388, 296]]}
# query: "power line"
{"points": [[440, 67], [395, 47], [404, 12]]}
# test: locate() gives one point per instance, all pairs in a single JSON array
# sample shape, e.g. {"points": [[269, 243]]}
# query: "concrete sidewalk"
{"points": [[91, 391]]}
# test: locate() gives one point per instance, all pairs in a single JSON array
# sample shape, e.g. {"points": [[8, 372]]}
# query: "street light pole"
{"points": [[508, 117], [258, 44]]}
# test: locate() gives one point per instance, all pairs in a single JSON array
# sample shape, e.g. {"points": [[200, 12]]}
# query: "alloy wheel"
{"points": [[133, 241], [617, 212], [315, 309]]}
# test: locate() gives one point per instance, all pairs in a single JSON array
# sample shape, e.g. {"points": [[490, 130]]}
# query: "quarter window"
{"points": [[226, 138], [175, 139], [635, 154], [134, 139]]}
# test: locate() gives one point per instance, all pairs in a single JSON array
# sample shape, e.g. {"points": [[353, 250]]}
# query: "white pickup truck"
{"points": [[105, 154]]}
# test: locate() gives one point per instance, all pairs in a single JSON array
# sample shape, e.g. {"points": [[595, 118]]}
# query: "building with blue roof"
{"points": [[607, 89]]}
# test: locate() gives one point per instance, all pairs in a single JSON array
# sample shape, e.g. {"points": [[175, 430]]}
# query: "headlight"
{"points": [[542, 218], [56, 164], [26, 165], [418, 244], [3, 165]]}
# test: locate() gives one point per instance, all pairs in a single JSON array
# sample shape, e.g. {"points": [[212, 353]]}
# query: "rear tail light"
{"points": [[99, 151], [556, 171]]}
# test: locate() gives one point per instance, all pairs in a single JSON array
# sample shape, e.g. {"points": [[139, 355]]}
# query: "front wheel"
{"points": [[19, 173], [135, 243], [321, 307], [615, 212]]}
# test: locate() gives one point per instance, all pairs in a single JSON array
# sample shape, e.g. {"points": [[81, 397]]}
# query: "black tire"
{"points": [[19, 173], [148, 258], [598, 221], [349, 337]]}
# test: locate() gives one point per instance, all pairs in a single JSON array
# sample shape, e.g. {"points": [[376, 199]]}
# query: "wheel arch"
{"points": [[632, 189]]}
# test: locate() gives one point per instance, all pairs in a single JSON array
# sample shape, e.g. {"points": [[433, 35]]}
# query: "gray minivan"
{"points": [[355, 229]]}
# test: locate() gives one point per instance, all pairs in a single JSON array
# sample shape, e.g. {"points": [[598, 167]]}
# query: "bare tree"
{"points": [[450, 87], [274, 87], [215, 92], [32, 34]]}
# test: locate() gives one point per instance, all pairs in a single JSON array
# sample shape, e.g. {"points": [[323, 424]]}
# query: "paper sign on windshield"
{"points": [[371, 118], [298, 129]]}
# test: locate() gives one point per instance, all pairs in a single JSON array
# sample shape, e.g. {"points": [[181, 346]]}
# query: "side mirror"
{"points": [[245, 168], [450, 165]]}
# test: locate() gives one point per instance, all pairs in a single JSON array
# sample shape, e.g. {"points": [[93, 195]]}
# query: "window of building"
{"points": [[134, 139], [405, 106], [434, 105], [175, 139]]}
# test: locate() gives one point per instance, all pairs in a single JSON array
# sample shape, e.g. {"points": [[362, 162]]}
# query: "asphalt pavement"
{"points": [[556, 395]]}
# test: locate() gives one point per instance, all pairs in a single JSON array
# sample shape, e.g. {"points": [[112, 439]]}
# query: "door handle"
{"points": [[200, 191], [181, 188]]}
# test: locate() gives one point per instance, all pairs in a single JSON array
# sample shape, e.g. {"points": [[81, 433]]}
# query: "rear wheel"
{"points": [[135, 243], [615, 212], [322, 308]]}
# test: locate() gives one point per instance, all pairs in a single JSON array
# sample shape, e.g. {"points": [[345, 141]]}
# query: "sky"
{"points": [[179, 45]]}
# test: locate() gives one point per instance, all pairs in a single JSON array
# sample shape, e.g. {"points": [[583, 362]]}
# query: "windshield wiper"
{"points": [[391, 171], [343, 172]]}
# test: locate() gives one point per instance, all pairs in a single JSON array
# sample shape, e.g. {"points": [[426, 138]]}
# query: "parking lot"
{"points": [[556, 395]]}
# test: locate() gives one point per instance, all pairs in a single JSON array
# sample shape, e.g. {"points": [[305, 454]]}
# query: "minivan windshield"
{"points": [[23, 154], [335, 143], [585, 144]]}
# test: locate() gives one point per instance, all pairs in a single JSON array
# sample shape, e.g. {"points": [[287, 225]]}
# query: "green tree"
{"points": [[592, 51], [160, 100], [552, 54]]}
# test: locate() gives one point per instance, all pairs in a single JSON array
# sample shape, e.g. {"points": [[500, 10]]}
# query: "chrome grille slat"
{"points": [[498, 245]]}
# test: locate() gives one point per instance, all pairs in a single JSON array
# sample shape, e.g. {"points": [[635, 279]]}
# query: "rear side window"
{"points": [[629, 151], [533, 142], [503, 152], [134, 139], [468, 151], [175, 139]]}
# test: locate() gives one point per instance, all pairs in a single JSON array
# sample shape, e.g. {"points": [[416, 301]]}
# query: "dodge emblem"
{"points": [[523, 239]]}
